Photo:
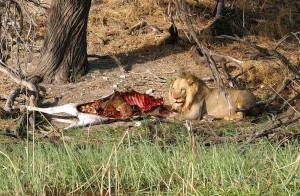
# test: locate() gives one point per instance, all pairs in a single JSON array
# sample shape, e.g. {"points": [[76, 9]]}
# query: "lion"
{"points": [[192, 99]]}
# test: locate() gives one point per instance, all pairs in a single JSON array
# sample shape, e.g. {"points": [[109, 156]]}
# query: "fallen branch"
{"points": [[200, 58], [138, 26], [271, 128], [266, 52], [33, 98], [143, 24]]}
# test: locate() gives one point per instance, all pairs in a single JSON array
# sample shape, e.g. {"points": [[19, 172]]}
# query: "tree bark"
{"points": [[219, 9], [220, 25], [64, 54]]}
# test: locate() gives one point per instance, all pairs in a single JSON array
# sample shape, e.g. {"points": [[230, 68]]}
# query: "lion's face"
{"points": [[181, 94]]}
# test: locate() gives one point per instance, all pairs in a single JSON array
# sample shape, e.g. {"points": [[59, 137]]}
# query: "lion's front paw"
{"points": [[176, 116], [208, 118]]}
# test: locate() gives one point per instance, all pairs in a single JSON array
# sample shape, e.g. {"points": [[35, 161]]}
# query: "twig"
{"points": [[289, 101], [243, 72], [285, 37], [18, 80], [285, 83], [160, 79], [23, 9], [264, 51], [148, 72], [121, 67]]}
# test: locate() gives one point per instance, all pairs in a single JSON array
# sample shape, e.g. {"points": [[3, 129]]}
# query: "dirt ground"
{"points": [[150, 62]]}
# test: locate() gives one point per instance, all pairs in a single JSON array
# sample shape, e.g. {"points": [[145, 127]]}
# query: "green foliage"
{"points": [[170, 80], [73, 75]]}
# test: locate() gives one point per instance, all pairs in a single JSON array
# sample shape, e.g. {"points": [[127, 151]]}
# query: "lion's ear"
{"points": [[190, 80]]}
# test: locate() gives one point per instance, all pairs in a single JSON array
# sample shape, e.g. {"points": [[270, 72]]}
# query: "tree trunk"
{"points": [[64, 54], [220, 26]]}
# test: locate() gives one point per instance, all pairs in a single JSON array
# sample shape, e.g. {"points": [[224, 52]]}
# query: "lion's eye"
{"points": [[182, 90]]}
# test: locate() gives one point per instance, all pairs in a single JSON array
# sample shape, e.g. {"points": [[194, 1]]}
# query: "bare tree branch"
{"points": [[286, 37], [4, 69]]}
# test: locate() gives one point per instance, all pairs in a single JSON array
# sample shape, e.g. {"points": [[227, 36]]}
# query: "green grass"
{"points": [[142, 161]]}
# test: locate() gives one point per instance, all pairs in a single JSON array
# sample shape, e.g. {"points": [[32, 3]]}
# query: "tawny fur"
{"points": [[193, 99]]}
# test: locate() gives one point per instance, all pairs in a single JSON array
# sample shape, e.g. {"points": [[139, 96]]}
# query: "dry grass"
{"points": [[110, 21]]}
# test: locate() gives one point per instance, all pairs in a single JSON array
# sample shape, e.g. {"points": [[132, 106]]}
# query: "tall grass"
{"points": [[134, 164]]}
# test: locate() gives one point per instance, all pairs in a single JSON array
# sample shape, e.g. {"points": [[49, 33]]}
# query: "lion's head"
{"points": [[183, 90]]}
